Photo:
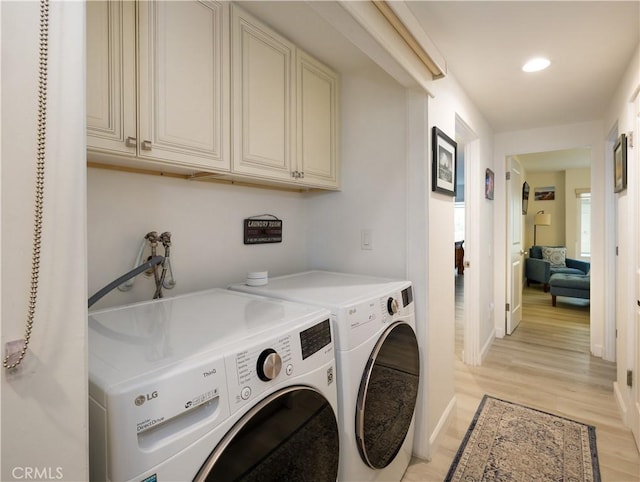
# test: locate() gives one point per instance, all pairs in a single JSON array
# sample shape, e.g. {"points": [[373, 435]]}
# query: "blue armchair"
{"points": [[540, 270]]}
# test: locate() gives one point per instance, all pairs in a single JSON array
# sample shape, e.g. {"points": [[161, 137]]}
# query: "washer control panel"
{"points": [[267, 363], [315, 338]]}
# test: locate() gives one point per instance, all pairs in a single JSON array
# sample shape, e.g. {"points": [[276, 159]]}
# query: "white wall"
{"points": [[449, 108], [624, 206], [206, 224], [44, 405], [550, 139], [374, 176]]}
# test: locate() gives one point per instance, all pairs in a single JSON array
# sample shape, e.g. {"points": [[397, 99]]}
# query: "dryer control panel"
{"points": [[358, 322], [400, 302]]}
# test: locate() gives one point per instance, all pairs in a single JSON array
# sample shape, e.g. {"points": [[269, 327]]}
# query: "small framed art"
{"points": [[443, 165], [620, 164], [488, 184], [544, 193], [525, 197]]}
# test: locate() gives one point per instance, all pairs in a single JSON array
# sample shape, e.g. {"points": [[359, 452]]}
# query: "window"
{"points": [[584, 223]]}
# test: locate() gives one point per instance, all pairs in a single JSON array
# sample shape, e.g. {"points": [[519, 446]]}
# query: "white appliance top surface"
{"points": [[141, 338], [326, 288]]}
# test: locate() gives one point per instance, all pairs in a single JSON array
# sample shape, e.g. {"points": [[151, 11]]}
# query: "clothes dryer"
{"points": [[378, 365], [214, 385]]}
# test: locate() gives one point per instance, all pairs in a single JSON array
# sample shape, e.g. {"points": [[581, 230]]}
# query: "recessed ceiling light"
{"points": [[537, 64]]}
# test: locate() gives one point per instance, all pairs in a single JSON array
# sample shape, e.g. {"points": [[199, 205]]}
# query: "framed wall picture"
{"points": [[544, 193], [488, 184], [443, 166], [525, 197], [620, 164]]}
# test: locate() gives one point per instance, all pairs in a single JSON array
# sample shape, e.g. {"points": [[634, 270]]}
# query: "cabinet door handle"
{"points": [[301, 174], [131, 142], [146, 145]]}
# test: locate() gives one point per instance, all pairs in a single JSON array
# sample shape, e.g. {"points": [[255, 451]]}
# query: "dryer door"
{"points": [[387, 395], [290, 435]]}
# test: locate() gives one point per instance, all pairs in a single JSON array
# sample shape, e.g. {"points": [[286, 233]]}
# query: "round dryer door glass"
{"points": [[290, 435], [387, 396]]}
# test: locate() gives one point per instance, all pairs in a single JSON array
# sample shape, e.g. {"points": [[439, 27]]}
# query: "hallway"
{"points": [[546, 365]]}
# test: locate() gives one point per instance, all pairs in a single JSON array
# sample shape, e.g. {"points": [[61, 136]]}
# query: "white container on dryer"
{"points": [[212, 385], [378, 362]]}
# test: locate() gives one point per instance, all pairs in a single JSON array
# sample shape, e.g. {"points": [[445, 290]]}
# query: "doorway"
{"points": [[558, 214], [468, 280], [635, 417], [459, 221]]}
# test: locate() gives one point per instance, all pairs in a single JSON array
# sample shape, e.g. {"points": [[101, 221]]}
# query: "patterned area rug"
{"points": [[510, 442]]}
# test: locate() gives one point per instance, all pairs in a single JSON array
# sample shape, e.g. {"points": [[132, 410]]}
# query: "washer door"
{"points": [[387, 395], [290, 435]]}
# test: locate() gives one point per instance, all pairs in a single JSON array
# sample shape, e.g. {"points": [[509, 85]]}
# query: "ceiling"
{"points": [[485, 44], [580, 157]]}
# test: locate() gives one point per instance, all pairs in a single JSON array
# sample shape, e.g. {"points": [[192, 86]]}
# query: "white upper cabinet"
{"points": [[183, 82], [263, 109], [284, 108], [317, 122], [175, 85], [182, 94], [111, 76]]}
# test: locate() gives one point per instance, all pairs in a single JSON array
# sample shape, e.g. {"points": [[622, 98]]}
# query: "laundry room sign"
{"points": [[261, 231]]}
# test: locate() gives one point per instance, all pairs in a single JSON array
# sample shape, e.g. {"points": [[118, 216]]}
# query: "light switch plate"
{"points": [[366, 239]]}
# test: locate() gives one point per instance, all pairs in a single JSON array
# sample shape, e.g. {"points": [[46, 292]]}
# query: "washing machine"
{"points": [[213, 385], [378, 364]]}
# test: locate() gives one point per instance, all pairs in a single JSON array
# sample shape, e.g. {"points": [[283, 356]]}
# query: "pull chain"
{"points": [[11, 361]]}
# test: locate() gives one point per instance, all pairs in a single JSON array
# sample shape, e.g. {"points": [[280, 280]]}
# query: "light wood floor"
{"points": [[546, 365]]}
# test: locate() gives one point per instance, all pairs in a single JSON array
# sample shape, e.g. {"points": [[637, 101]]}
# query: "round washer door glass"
{"points": [[290, 435], [387, 395]]}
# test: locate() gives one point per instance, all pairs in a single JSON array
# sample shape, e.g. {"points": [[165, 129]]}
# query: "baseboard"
{"points": [[500, 332], [622, 404], [596, 350], [441, 427], [484, 351]]}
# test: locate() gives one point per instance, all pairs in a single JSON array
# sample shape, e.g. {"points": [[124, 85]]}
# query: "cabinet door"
{"points": [[317, 117], [262, 99], [111, 102], [183, 89]]}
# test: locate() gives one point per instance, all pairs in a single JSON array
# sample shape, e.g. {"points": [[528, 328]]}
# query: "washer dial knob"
{"points": [[392, 306], [269, 365]]}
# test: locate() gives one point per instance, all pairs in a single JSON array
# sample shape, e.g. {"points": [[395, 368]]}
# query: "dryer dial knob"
{"points": [[269, 365], [392, 306]]}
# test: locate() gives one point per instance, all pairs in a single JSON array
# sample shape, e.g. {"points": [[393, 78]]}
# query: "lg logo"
{"points": [[141, 399]]}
